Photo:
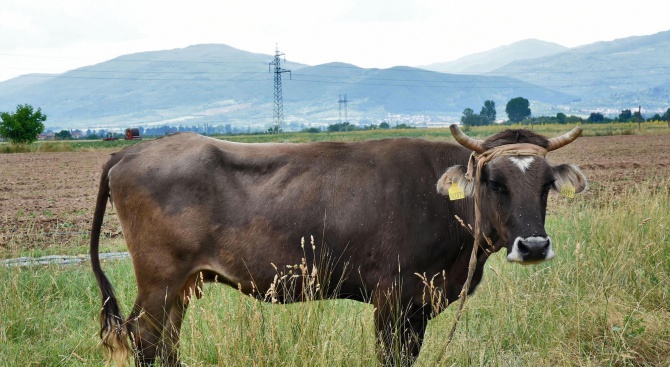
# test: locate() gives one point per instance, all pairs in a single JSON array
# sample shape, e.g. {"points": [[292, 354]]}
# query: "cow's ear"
{"points": [[455, 174], [569, 176]]}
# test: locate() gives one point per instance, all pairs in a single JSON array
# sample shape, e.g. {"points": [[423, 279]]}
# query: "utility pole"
{"points": [[639, 116], [341, 102], [339, 109], [279, 103], [346, 119]]}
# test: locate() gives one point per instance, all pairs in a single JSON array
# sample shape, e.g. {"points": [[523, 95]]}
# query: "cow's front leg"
{"points": [[399, 327]]}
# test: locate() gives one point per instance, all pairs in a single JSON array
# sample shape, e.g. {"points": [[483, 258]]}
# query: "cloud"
{"points": [[370, 33], [46, 24], [385, 11]]}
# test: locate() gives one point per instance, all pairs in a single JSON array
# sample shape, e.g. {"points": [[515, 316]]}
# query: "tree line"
{"points": [[25, 124], [628, 116], [518, 110], [346, 126]]}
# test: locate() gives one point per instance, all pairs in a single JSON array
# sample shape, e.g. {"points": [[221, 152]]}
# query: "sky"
{"points": [[44, 36]]}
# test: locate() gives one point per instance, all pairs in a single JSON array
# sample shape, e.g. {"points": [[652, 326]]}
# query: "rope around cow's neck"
{"points": [[481, 159]]}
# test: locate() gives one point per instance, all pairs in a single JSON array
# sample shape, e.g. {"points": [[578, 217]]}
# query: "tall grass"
{"points": [[64, 146], [36, 147], [603, 301], [481, 132]]}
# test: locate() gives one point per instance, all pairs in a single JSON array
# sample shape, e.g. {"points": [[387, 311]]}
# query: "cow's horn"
{"points": [[466, 141], [565, 139]]}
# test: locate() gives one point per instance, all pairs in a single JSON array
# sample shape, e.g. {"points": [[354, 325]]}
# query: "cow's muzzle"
{"points": [[531, 250]]}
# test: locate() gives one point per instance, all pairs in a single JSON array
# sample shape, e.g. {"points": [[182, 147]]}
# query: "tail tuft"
{"points": [[113, 330], [115, 339]]}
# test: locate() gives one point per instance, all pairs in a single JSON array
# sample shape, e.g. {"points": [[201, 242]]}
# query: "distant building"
{"points": [[46, 136], [437, 124]]}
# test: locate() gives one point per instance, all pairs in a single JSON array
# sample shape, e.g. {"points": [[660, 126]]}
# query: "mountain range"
{"points": [[488, 61], [218, 84], [600, 70]]}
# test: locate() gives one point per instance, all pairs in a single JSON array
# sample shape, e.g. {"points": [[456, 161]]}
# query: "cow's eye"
{"points": [[495, 185]]}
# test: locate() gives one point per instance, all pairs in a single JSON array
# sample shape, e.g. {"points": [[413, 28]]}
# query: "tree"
{"points": [[596, 117], [344, 126], [625, 115], [384, 125], [561, 117], [517, 109], [63, 135], [23, 126], [467, 115], [470, 118], [666, 116], [488, 112]]}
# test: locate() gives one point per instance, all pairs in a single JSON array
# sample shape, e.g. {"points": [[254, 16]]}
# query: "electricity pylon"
{"points": [[278, 120]]}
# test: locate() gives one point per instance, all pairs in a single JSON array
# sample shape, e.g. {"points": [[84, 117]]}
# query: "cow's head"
{"points": [[513, 187]]}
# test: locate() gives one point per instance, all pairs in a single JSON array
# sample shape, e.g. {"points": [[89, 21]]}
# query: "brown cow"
{"points": [[193, 209]]}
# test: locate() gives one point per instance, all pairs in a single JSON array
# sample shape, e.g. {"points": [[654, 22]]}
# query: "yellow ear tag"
{"points": [[568, 191], [456, 192]]}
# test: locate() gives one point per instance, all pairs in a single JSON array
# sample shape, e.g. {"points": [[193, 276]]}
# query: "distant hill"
{"points": [[406, 90], [147, 87], [484, 62], [601, 73], [16, 84], [218, 84]]}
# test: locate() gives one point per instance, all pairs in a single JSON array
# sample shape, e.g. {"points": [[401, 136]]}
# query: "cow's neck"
{"points": [[459, 267]]}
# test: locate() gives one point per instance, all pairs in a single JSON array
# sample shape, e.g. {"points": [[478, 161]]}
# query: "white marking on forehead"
{"points": [[522, 162]]}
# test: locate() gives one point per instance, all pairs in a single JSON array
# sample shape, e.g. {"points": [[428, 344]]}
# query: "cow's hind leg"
{"points": [[155, 322], [400, 329], [170, 347], [147, 323], [192, 289]]}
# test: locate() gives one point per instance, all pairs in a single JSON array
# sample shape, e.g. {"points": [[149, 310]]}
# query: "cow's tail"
{"points": [[113, 331]]}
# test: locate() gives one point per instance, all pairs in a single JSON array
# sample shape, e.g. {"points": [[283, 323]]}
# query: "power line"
{"points": [[594, 75], [128, 59], [341, 66], [327, 79], [414, 83]]}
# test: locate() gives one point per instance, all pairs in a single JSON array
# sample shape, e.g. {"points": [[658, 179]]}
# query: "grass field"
{"points": [[603, 301]]}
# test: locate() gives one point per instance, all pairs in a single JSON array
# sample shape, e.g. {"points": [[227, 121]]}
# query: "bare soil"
{"points": [[618, 162], [47, 199]]}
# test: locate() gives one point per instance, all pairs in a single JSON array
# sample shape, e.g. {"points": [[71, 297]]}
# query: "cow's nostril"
{"points": [[523, 248]]}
